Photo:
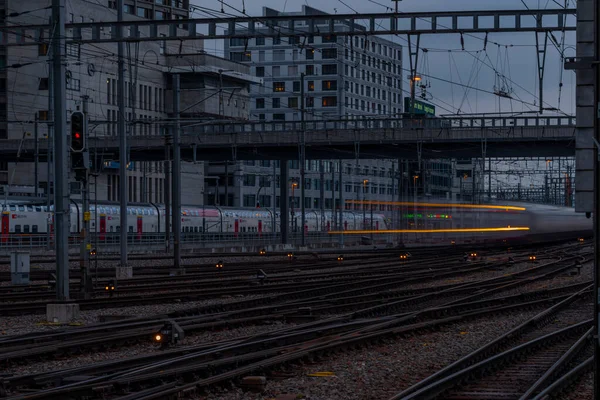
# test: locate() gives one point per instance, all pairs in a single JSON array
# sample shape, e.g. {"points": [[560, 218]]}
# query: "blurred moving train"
{"points": [[149, 220], [420, 222]]}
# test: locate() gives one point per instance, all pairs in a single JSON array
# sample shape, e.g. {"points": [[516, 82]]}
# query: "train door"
{"points": [[102, 227], [5, 225], [376, 225], [328, 226], [236, 227], [140, 227], [345, 225], [259, 228]]}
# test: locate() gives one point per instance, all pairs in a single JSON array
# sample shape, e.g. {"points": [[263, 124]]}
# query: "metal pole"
{"points": [[302, 159], [322, 193], [124, 271], [177, 178], [283, 200], [37, 157], [61, 192], [596, 189], [341, 207], [364, 224], [274, 229], [50, 172], [489, 179], [333, 212], [85, 286], [167, 188]]}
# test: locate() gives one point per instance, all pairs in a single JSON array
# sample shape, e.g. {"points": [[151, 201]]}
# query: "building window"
{"points": [[276, 72], [260, 41], [310, 101], [249, 200], [242, 56], [296, 85], [293, 102], [310, 54], [292, 70], [74, 84], [329, 53], [276, 102], [43, 49], [329, 39], [260, 71], [310, 69], [278, 55], [233, 42], [278, 117], [311, 86], [328, 85], [277, 40], [43, 115], [329, 101], [260, 103], [330, 69], [250, 180], [279, 86]]}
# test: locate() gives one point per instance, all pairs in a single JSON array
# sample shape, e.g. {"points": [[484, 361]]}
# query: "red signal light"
{"points": [[77, 135]]}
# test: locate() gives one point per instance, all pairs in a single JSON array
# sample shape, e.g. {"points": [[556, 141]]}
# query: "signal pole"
{"points": [[123, 271], [85, 247], [61, 172]]}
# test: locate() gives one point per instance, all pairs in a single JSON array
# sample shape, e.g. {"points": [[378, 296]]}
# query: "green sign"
{"points": [[421, 107]]}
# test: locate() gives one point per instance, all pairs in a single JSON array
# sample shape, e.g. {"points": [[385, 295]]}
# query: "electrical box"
{"points": [[19, 268]]}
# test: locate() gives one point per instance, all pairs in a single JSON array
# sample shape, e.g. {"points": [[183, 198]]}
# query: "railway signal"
{"points": [[170, 334], [110, 287], [261, 276], [80, 160]]}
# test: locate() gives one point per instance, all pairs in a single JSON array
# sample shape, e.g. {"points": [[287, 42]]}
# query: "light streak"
{"points": [[456, 230], [446, 205]]}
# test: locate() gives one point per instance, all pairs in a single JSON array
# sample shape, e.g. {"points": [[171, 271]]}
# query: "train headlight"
{"points": [[290, 255], [532, 258], [581, 240], [262, 252], [452, 242], [340, 258], [158, 337], [219, 264]]}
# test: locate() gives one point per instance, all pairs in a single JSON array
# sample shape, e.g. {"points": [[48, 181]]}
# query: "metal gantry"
{"points": [[481, 21]]}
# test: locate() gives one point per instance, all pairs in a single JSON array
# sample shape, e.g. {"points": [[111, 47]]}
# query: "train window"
{"points": [[111, 229], [130, 229], [13, 208], [34, 229], [25, 228], [38, 209], [21, 208], [30, 208], [17, 228]]}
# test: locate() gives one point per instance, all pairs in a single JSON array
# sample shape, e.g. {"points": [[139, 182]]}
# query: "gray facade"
{"points": [[92, 77], [344, 78]]}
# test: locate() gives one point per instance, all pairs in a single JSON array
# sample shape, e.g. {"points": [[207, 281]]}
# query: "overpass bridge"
{"points": [[454, 137]]}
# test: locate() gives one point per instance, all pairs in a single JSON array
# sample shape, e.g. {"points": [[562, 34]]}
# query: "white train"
{"points": [[20, 220]]}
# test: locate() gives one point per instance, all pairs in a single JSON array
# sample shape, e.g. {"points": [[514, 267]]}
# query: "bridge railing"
{"points": [[384, 123]]}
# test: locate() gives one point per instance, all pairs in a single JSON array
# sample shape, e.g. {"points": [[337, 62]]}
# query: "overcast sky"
{"points": [[517, 61]]}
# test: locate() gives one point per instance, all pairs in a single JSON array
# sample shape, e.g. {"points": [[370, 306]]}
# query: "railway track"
{"points": [[176, 371], [286, 345]]}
